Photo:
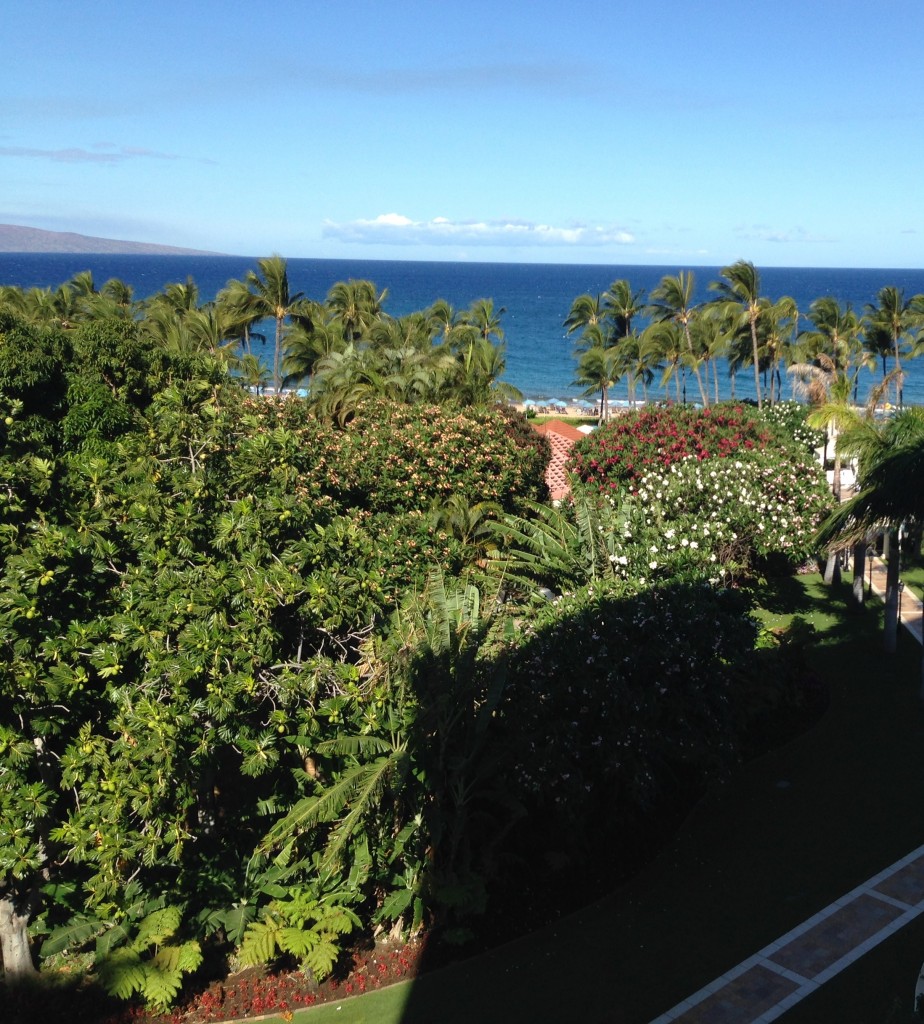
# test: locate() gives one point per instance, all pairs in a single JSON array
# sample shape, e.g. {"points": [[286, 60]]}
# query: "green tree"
{"points": [[597, 372], [891, 478], [586, 311], [672, 302], [893, 321], [740, 284], [271, 298], [355, 306]]}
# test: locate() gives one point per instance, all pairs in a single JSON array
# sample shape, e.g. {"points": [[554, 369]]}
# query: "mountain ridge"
{"points": [[21, 238]]}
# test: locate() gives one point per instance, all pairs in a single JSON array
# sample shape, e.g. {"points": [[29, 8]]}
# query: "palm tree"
{"points": [[891, 466], [482, 315], [662, 341], [636, 363], [272, 298], [356, 306], [835, 333], [598, 371], [182, 297], [444, 322], [775, 333], [241, 309], [672, 301], [586, 311], [740, 285], [893, 319], [711, 338], [622, 306]]}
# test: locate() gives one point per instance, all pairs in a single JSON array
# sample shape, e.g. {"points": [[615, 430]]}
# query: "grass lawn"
{"points": [[791, 832], [913, 576]]}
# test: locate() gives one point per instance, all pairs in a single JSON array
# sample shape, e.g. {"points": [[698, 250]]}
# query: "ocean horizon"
{"points": [[535, 299]]}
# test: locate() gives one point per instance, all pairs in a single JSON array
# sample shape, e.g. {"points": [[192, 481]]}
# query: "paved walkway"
{"points": [[767, 984], [763, 987], [912, 611]]}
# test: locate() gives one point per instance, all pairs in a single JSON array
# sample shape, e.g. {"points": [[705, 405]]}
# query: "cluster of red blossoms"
{"points": [[626, 448]]}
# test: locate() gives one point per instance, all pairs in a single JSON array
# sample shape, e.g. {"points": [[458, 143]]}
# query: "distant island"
{"points": [[16, 238]]}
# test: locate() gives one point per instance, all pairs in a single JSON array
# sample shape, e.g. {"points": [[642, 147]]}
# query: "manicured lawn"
{"points": [[913, 575], [793, 831]]}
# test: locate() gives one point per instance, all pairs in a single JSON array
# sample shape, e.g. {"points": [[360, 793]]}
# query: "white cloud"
{"points": [[396, 229], [76, 155], [764, 233]]}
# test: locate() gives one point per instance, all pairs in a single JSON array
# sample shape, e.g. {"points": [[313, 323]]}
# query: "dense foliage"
{"points": [[271, 678]]}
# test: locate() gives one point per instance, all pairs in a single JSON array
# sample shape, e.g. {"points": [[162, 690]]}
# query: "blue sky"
{"points": [[788, 132]]}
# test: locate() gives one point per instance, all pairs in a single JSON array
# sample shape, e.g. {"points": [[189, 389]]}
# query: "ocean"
{"points": [[535, 298]]}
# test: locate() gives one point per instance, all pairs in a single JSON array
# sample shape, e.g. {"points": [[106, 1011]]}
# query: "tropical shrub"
{"points": [[392, 458], [711, 487], [622, 450], [791, 418], [618, 691]]}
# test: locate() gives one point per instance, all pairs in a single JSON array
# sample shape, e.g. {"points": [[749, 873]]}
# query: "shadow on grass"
{"points": [[793, 831]]}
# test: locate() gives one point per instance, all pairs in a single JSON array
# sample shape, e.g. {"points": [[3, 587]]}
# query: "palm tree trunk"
{"points": [[859, 568], [277, 354], [756, 357], [893, 565], [695, 366], [898, 376], [833, 568]]}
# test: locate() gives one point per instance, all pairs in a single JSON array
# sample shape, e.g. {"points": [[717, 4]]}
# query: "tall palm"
{"points": [[636, 363], [891, 464], [586, 311], [622, 306], [663, 341], [356, 306], [272, 299], [672, 301], [482, 315], [598, 371], [241, 309], [775, 330], [443, 320], [711, 338], [740, 284], [896, 319], [835, 333]]}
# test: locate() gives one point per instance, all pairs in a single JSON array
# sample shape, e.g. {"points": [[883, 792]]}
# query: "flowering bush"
{"points": [[727, 493], [626, 448], [789, 418], [736, 511], [617, 688]]}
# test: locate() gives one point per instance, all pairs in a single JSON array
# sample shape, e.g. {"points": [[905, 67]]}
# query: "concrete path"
{"points": [[911, 609]]}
